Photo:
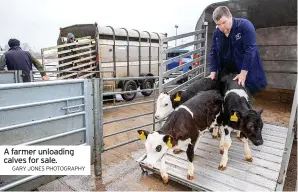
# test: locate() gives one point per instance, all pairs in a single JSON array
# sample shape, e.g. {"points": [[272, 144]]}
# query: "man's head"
{"points": [[13, 43], [70, 38], [223, 19]]}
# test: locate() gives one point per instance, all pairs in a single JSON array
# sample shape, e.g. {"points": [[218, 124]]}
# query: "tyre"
{"points": [[147, 84], [129, 86]]}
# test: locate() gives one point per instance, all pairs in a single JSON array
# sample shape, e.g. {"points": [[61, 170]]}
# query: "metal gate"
{"points": [[196, 73], [11, 77], [45, 113]]}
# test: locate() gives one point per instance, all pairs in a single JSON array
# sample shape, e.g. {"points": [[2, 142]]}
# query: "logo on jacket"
{"points": [[238, 36]]}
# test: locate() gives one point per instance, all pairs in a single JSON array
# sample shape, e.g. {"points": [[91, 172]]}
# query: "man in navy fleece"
{"points": [[234, 49]]}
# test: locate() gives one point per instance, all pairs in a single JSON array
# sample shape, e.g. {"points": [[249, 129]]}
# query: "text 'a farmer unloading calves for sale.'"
{"points": [[45, 160]]}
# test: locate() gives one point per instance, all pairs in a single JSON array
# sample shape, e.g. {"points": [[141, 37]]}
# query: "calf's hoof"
{"points": [[176, 151], [214, 136], [222, 168], [165, 179], [221, 151], [189, 177], [248, 159], [239, 138]]}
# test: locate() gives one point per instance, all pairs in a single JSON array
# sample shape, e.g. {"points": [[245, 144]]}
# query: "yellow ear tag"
{"points": [[142, 136], [177, 98], [169, 143], [234, 117]]}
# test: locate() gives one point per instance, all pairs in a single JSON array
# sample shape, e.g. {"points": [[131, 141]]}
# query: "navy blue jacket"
{"points": [[245, 53]]}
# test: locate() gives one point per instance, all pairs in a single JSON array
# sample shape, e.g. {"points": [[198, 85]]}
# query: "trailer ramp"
{"points": [[240, 175]]}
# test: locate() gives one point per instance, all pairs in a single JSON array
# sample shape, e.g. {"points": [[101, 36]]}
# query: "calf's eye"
{"points": [[158, 148], [166, 104]]}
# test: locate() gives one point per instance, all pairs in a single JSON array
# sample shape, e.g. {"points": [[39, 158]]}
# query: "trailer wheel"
{"points": [[129, 86], [147, 84]]}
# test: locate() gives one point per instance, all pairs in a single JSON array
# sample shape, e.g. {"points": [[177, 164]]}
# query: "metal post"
{"points": [[98, 49], [176, 26], [114, 49], [160, 80], [97, 112], [205, 46], [154, 106], [289, 141]]}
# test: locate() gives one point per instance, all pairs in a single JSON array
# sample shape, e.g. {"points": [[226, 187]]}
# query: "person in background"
{"points": [[17, 59], [234, 50]]}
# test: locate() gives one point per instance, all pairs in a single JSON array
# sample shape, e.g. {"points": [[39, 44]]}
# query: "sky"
{"points": [[37, 22]]}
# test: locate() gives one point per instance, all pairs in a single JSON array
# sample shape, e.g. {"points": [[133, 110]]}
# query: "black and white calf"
{"points": [[238, 115], [186, 123], [166, 103]]}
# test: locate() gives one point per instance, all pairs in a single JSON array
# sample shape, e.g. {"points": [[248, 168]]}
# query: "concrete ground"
{"points": [[121, 172]]}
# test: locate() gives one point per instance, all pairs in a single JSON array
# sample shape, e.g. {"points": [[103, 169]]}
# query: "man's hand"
{"points": [[241, 78], [45, 78], [212, 75]]}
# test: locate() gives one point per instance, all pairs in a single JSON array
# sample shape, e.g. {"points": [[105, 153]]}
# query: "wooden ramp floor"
{"points": [[240, 175]]}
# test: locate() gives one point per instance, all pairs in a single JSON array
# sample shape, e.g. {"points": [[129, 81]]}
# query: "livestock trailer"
{"points": [[275, 22], [121, 53]]}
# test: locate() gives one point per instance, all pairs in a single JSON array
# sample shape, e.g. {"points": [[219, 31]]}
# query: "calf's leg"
{"points": [[227, 144], [247, 151], [163, 171]]}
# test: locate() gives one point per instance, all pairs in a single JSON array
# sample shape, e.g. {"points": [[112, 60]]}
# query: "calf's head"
{"points": [[166, 104], [156, 145], [251, 125]]}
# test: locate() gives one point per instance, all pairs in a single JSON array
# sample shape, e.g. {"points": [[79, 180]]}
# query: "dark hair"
{"points": [[221, 11]]}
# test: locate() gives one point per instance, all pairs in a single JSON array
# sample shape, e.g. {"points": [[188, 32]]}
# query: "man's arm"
{"points": [[38, 65], [2, 62], [249, 45]]}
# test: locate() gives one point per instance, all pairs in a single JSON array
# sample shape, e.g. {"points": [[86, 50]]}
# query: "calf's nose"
{"points": [[156, 116], [260, 142]]}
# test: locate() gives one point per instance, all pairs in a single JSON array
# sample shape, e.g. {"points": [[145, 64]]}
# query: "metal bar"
{"points": [[181, 66], [289, 141], [126, 130], [205, 46], [184, 45], [114, 49], [67, 45], [158, 49], [53, 137], [126, 118], [160, 64], [154, 107], [75, 49], [125, 105], [72, 56], [121, 144], [127, 51], [66, 71], [124, 92], [139, 50], [97, 114], [73, 62], [40, 103], [98, 52], [18, 182], [183, 35], [185, 83], [39, 84], [182, 76], [149, 51], [40, 121], [182, 56], [130, 78]]}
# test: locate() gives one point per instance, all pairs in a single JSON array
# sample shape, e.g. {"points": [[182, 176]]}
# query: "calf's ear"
{"points": [[143, 134], [176, 97], [168, 139], [260, 111], [235, 116]]}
